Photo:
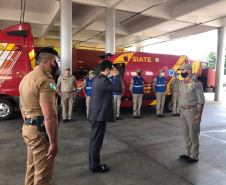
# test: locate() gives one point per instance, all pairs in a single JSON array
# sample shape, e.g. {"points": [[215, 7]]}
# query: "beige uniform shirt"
{"points": [[131, 85], [191, 93], [66, 84], [174, 85], [37, 87]]}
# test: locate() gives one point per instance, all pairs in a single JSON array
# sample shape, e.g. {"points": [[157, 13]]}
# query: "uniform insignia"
{"points": [[189, 86], [52, 86], [198, 85]]}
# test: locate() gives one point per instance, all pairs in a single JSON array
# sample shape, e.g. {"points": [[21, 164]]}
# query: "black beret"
{"points": [[48, 50]]}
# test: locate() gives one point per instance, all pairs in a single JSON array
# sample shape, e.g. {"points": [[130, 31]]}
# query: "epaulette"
{"points": [[195, 80], [47, 75]]}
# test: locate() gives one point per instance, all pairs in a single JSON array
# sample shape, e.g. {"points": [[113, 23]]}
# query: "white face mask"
{"points": [[109, 76], [92, 76], [178, 76], [162, 74]]}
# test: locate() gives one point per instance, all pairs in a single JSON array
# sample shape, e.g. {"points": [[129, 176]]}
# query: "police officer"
{"points": [[137, 89], [65, 86], [86, 88], [159, 86], [174, 88], [38, 96], [117, 98], [191, 101]]}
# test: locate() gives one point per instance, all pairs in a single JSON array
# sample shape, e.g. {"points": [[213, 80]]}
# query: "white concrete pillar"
{"points": [[220, 64], [110, 31], [139, 48], [66, 34]]}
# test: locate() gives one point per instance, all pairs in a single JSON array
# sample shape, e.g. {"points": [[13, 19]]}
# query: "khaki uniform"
{"points": [[66, 85], [191, 94], [137, 100], [117, 101], [161, 96], [174, 87], [37, 87], [88, 99]]}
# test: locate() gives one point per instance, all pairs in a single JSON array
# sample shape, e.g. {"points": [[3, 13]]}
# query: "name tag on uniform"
{"points": [[52, 86]]}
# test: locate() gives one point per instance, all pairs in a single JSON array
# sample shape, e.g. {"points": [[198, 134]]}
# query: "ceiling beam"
{"points": [[52, 18]]}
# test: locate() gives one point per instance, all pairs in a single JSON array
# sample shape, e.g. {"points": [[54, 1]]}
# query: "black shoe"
{"points": [[158, 115], [138, 117], [174, 115], [135, 117], [118, 118], [161, 115], [65, 120], [71, 120], [184, 157], [177, 114], [100, 169], [190, 160]]}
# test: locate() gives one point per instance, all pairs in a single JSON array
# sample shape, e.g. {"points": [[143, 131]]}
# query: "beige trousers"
{"points": [[67, 105], [88, 101], [117, 100], [137, 102], [175, 102], [160, 102], [191, 131], [39, 170]]}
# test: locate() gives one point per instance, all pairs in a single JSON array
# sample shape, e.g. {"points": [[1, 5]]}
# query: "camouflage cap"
{"points": [[67, 67], [161, 71], [139, 70], [185, 66]]}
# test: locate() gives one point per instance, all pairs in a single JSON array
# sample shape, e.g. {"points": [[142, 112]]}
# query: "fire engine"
{"points": [[16, 60]]}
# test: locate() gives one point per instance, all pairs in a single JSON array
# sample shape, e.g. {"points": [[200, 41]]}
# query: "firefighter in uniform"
{"points": [[86, 88], [191, 102], [38, 97], [159, 86], [65, 86], [174, 88], [117, 98], [137, 89]]}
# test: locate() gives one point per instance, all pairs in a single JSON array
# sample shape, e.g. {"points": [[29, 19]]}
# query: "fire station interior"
{"points": [[138, 151]]}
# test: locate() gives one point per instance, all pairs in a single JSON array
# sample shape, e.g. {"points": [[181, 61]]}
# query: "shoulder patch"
{"points": [[199, 85], [52, 86]]}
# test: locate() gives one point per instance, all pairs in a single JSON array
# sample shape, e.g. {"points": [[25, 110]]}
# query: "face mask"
{"points": [[92, 76], [162, 74], [184, 75], [139, 74], [178, 76], [55, 69]]}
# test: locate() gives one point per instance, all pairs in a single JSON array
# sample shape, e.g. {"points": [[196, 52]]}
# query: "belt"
{"points": [[176, 91], [31, 121], [189, 107], [68, 92]]}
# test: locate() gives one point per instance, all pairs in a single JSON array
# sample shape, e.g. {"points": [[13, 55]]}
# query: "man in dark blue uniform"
{"points": [[101, 111]]}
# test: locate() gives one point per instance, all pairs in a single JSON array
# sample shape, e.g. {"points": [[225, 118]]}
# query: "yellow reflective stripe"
{"points": [[120, 58], [154, 102], [32, 58], [9, 47]]}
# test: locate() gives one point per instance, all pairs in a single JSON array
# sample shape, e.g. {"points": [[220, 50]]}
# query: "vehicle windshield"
{"points": [[120, 67]]}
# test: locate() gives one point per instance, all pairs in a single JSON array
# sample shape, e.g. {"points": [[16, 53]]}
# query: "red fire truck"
{"points": [[16, 60], [150, 64]]}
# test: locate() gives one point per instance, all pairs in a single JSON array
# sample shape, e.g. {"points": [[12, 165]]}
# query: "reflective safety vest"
{"points": [[88, 86], [138, 85], [113, 81], [161, 84]]}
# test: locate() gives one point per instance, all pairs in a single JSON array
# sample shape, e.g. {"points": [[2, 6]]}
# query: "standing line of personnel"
{"points": [[38, 104]]}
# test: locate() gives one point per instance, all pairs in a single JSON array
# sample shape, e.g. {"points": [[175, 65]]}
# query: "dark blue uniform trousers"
{"points": [[98, 129]]}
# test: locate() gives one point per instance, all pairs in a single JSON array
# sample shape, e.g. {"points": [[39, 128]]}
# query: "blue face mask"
{"points": [[162, 74], [178, 76]]}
